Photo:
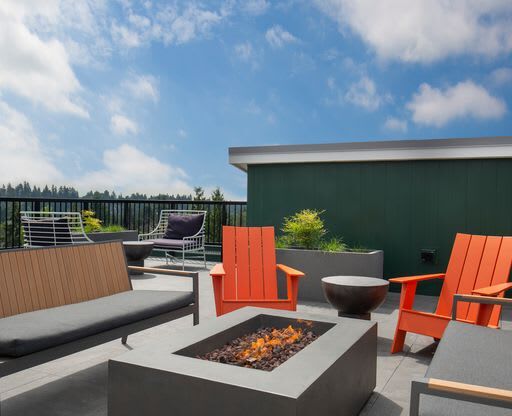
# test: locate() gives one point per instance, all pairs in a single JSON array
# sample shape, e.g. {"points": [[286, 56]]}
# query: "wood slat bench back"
{"points": [[40, 278]]}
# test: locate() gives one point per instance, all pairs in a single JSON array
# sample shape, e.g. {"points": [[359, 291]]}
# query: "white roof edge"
{"points": [[436, 149]]}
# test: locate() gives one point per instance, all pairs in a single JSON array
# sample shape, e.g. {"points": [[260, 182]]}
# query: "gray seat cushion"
{"points": [[474, 355], [35, 331], [169, 243]]}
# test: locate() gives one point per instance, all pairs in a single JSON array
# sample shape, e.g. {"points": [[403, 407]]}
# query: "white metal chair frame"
{"points": [[192, 244], [75, 227]]}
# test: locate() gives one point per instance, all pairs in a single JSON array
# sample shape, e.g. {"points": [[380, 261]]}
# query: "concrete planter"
{"points": [[317, 264], [128, 235]]}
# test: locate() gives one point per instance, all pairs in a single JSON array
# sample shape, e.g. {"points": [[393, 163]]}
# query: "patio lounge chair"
{"points": [[44, 229], [470, 374], [247, 276], [179, 231], [55, 301], [478, 264]]}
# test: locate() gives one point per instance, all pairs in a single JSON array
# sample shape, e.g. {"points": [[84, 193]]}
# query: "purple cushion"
{"points": [[179, 226]]}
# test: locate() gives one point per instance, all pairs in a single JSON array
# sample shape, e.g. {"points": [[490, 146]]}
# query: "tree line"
{"points": [[25, 190]]}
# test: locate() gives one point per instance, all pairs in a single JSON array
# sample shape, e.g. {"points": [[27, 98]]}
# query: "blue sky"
{"points": [[147, 96]]}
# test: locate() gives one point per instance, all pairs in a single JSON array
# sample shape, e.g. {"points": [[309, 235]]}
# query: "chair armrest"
{"points": [[162, 271], [289, 271], [419, 278], [493, 290], [218, 271], [485, 300], [489, 396], [150, 236]]}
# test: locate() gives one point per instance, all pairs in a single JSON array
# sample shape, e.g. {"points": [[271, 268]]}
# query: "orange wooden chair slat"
{"points": [[476, 263], [248, 274]]}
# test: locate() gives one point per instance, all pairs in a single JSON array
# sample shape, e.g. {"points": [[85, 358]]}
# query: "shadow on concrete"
{"points": [[83, 393], [379, 405]]}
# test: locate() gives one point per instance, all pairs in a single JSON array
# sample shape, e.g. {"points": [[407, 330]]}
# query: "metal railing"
{"points": [[140, 215]]}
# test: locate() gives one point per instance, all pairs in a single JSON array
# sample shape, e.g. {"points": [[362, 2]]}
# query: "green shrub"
{"points": [[91, 223], [112, 228], [335, 244], [305, 229]]}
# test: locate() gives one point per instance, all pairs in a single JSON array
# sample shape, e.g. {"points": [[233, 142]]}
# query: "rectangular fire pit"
{"points": [[333, 375]]}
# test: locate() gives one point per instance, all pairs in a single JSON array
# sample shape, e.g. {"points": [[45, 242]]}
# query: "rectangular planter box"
{"points": [[334, 375], [128, 235], [317, 264]]}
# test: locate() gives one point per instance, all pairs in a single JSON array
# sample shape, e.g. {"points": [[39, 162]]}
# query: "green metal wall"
{"points": [[400, 207]]}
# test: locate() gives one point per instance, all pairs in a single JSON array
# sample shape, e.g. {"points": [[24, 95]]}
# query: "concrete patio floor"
{"points": [[76, 385]]}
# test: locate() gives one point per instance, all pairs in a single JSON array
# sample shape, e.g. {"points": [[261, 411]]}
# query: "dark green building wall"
{"points": [[400, 207]]}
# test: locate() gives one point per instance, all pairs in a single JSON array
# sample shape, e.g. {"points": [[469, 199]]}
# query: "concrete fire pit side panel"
{"points": [[318, 264], [144, 391], [347, 395]]}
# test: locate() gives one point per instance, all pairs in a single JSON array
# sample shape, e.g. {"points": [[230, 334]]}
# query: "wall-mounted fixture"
{"points": [[428, 255]]}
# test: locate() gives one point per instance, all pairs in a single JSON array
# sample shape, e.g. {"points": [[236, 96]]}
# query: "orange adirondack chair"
{"points": [[478, 265], [247, 276]]}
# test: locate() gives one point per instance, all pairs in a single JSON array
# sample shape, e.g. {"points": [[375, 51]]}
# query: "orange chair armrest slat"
{"points": [[493, 290], [419, 278], [290, 271], [218, 271]]}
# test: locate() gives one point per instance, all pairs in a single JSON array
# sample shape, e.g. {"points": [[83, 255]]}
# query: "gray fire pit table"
{"points": [[334, 375], [355, 296], [136, 252]]}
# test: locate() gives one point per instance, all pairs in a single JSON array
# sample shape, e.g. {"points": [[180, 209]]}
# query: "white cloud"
{"points": [[501, 76], [22, 158], [436, 107], [255, 7], [364, 94], [127, 169], [395, 124], [244, 51], [170, 24], [36, 69], [122, 125], [426, 30], [124, 36], [277, 37], [143, 87]]}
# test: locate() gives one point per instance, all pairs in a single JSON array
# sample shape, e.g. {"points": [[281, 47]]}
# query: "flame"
{"points": [[263, 347]]}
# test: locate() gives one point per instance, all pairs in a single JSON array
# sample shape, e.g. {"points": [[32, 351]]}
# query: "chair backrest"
{"points": [[40, 278], [46, 228], [249, 259], [164, 218], [476, 261]]}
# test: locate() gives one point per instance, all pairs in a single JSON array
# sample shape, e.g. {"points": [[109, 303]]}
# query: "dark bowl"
{"points": [[355, 295]]}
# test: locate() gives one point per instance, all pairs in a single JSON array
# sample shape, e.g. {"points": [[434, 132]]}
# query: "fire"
{"points": [[263, 347]]}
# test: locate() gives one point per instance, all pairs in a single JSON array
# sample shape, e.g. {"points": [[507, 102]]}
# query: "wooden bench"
{"points": [[56, 301]]}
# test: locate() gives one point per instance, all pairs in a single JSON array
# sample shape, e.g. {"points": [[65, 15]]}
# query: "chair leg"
{"points": [[183, 260], [398, 341], [196, 318], [124, 339], [204, 258]]}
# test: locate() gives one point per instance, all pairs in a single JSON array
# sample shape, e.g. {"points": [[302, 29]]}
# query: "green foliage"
{"points": [[91, 223], [217, 195], [199, 194], [359, 249], [304, 229], [112, 228], [335, 244]]}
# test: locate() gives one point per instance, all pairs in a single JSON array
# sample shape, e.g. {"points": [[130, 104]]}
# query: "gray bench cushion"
{"points": [[34, 331], [474, 355]]}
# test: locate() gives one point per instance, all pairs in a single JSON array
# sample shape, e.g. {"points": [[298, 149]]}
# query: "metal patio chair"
{"points": [[43, 229], [179, 231]]}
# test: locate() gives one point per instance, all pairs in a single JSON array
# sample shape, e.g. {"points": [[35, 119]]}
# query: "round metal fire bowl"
{"points": [[355, 296]]}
